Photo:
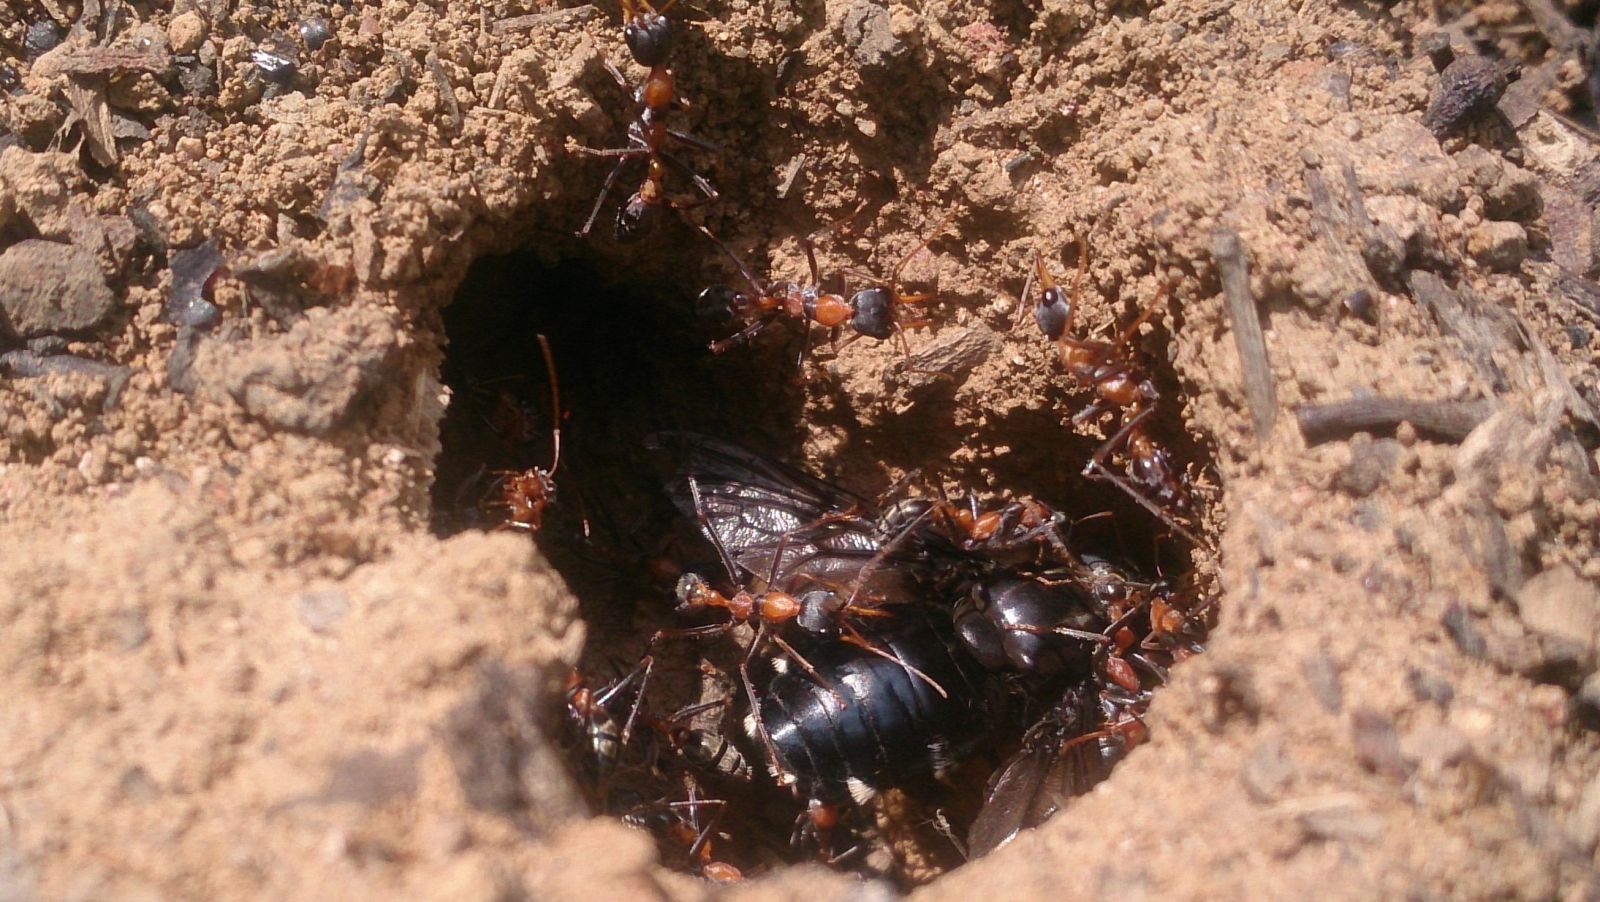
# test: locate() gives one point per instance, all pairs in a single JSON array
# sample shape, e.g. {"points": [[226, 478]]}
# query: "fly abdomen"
{"points": [[879, 721], [713, 752]]}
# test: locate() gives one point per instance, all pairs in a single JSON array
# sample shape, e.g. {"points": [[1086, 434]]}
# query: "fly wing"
{"points": [[1038, 780], [1010, 802], [759, 509]]}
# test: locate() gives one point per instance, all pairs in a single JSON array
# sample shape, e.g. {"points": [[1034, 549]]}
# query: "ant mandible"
{"points": [[526, 493], [1120, 385], [648, 33], [872, 311]]}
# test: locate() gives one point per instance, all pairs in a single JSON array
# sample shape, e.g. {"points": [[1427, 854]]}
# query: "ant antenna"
{"points": [[555, 404], [894, 277]]}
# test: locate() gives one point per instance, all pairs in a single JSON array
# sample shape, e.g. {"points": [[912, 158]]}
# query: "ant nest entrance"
{"points": [[892, 676]]}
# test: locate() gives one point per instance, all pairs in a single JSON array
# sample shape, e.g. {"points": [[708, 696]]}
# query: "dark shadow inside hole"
{"points": [[631, 360]]}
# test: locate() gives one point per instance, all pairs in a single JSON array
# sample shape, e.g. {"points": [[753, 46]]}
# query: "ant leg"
{"points": [[684, 714], [837, 223], [805, 350], [616, 74], [874, 562], [690, 632], [647, 663], [809, 245], [1156, 670], [706, 527], [1051, 532], [693, 141], [900, 339], [894, 276], [1090, 413], [699, 181], [744, 270], [765, 737], [806, 666], [704, 835], [623, 152], [605, 190], [1069, 632], [1077, 283], [1027, 289], [1149, 310], [1097, 469], [741, 336], [852, 636]]}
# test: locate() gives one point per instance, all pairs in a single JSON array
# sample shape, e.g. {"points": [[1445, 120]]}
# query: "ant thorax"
{"points": [[812, 303]]}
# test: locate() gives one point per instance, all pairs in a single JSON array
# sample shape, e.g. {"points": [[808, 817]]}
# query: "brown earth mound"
{"points": [[238, 659]]}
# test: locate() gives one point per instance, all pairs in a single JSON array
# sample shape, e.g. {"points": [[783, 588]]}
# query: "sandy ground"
{"points": [[238, 661]]}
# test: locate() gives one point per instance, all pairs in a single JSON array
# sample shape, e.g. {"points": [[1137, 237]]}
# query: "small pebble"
{"points": [[186, 32], [1467, 89], [41, 37], [48, 288], [276, 68], [314, 32], [1377, 743], [1500, 246], [1322, 674], [321, 610]]}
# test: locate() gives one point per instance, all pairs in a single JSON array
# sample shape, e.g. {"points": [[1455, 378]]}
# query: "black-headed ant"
{"points": [[648, 33], [873, 311], [1119, 385]]}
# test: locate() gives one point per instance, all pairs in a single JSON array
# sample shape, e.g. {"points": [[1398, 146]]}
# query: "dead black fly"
{"points": [[874, 646]]}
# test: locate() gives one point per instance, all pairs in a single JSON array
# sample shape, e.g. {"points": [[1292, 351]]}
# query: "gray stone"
{"points": [[49, 288], [870, 36], [308, 379], [322, 610], [1560, 604]]}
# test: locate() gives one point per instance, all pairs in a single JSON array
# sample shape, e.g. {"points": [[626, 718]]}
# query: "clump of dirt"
{"points": [[245, 664]]}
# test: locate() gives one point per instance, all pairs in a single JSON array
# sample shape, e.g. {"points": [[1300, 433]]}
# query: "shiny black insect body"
{"points": [[1022, 624], [972, 614], [648, 33], [870, 722]]}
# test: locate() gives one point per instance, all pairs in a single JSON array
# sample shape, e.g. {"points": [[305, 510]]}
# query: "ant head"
{"points": [[872, 312], [649, 38], [1051, 312], [719, 302], [818, 608], [692, 591]]}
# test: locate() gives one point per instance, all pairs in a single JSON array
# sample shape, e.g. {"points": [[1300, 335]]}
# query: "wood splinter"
{"points": [[1449, 421], [1259, 389]]}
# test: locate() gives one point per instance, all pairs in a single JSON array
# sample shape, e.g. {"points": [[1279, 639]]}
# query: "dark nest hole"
{"points": [[631, 362]]}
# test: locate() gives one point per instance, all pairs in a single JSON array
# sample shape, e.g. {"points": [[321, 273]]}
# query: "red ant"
{"points": [[648, 34], [1119, 384], [679, 821], [872, 311], [820, 611], [526, 493]]}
